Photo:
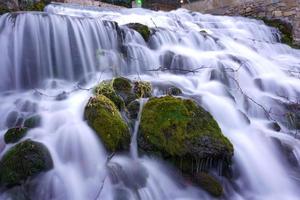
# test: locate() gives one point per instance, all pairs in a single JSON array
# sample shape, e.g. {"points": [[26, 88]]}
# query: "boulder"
{"points": [[208, 183], [33, 121], [13, 135], [143, 30], [183, 133], [104, 117], [23, 161]]}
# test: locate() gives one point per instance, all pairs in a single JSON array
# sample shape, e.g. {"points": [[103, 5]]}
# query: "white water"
{"points": [[65, 47]]}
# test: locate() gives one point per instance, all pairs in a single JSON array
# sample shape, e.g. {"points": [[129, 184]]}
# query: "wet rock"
{"points": [[143, 30], [123, 91], [142, 89], [183, 133], [106, 88], [133, 110], [208, 183], [14, 135], [133, 176], [61, 96], [33, 121], [121, 194], [103, 116], [274, 126], [12, 119], [174, 91], [23, 161]]}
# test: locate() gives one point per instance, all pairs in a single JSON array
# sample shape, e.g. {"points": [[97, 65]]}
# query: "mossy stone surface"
{"points": [[142, 89], [106, 88], [13, 135], [143, 30], [33, 121], [103, 116], [25, 160], [180, 129], [209, 184]]}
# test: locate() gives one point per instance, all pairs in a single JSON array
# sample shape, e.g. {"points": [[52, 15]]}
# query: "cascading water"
{"points": [[232, 66]]}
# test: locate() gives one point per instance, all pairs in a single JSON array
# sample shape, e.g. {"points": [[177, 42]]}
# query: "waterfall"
{"points": [[234, 67]]}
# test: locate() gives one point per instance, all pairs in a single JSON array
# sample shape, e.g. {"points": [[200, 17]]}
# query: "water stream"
{"points": [[233, 66]]}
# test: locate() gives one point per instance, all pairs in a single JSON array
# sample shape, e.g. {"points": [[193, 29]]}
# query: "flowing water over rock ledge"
{"points": [[57, 64]]}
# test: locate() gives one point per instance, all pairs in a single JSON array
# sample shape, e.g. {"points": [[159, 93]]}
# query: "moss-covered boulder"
{"points": [[143, 30], [182, 132], [23, 161], [103, 116], [122, 91], [13, 135], [33, 121], [208, 183], [106, 88]]}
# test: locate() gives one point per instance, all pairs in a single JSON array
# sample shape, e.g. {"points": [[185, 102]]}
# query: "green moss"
{"points": [[121, 84], [38, 6], [143, 30], [142, 89], [33, 121], [208, 183], [13, 135], [106, 88], [24, 161], [179, 129], [103, 116]]}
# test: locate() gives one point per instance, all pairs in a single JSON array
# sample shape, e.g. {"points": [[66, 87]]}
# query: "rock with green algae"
{"points": [[142, 89], [13, 135], [103, 116], [208, 183], [182, 132], [106, 88], [143, 30], [33, 121], [123, 91], [133, 109], [23, 161]]}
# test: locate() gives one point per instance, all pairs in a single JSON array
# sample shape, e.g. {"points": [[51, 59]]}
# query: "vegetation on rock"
{"points": [[33, 121], [142, 89], [13, 135], [23, 161], [143, 30], [103, 116], [208, 183]]}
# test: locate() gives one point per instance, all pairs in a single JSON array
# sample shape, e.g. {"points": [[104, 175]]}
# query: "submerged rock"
{"points": [[13, 135], [183, 133], [103, 116], [143, 30], [23, 161]]}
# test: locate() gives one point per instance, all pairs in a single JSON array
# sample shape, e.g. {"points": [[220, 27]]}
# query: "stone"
{"points": [[23, 161], [103, 116], [13, 135]]}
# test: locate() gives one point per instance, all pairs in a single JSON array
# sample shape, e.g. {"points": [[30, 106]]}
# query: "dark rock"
{"points": [[33, 121], [133, 109], [12, 119], [274, 126], [23, 161], [13, 135], [174, 91]]}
